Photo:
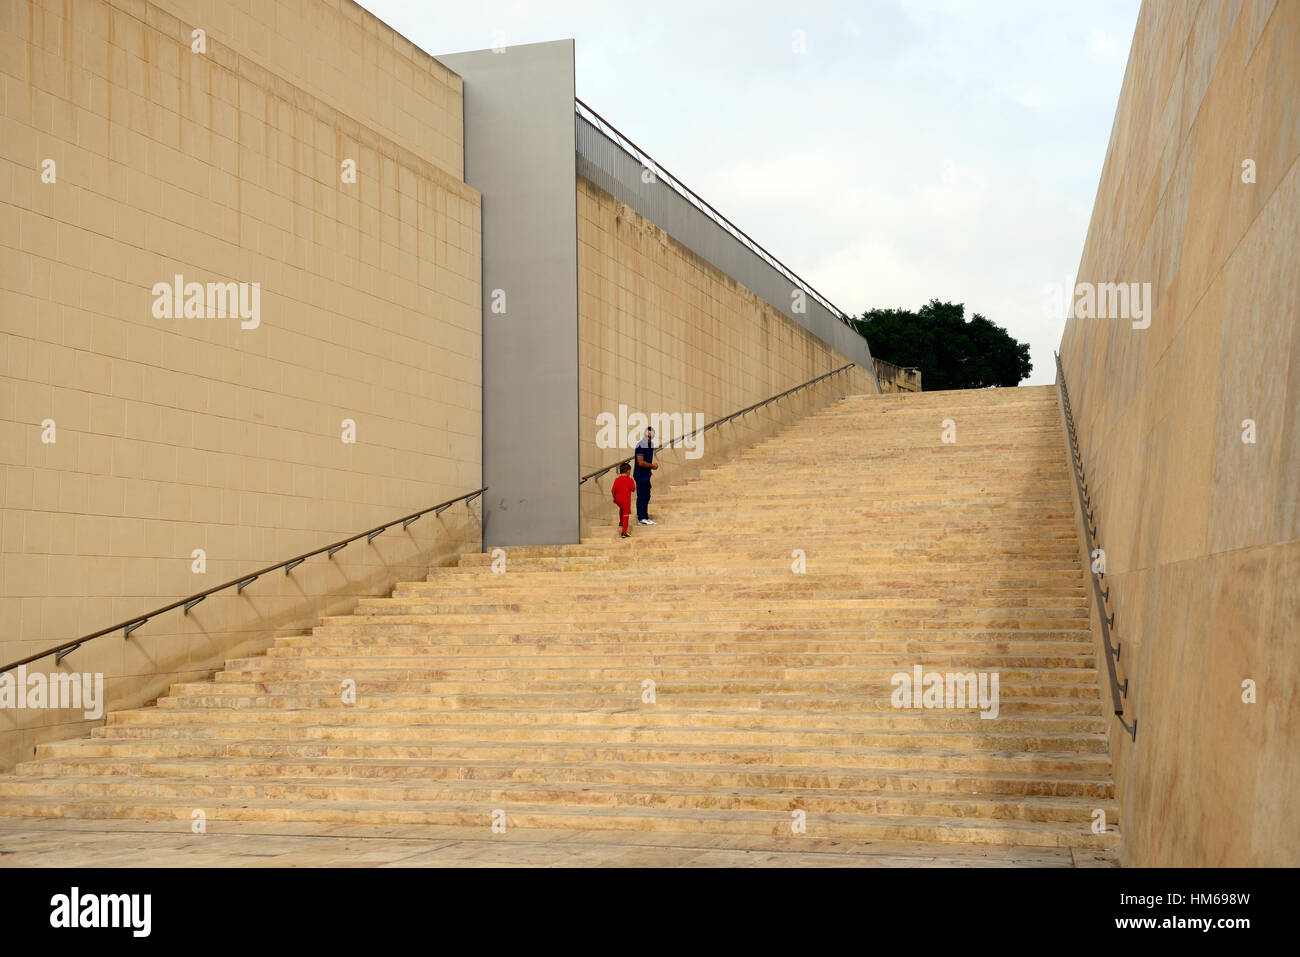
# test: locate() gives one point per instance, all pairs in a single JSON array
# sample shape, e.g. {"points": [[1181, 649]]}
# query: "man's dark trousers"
{"points": [[642, 499], [644, 450]]}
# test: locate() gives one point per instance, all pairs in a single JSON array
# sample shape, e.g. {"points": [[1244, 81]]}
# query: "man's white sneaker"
{"points": [[646, 521]]}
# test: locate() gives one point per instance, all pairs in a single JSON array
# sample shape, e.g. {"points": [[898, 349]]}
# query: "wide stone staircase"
{"points": [[716, 674]]}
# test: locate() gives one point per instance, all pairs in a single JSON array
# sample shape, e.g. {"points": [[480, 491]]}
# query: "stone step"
{"points": [[455, 581], [896, 561], [863, 662], [863, 556], [789, 586], [919, 739], [380, 629], [844, 505], [685, 601], [613, 689], [762, 542], [258, 670], [875, 758], [490, 795], [683, 610], [804, 616], [903, 780], [315, 695], [171, 713], [862, 553], [757, 643], [1079, 656], [714, 821]]}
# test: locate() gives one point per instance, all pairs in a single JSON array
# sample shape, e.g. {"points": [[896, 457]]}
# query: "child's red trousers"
{"points": [[622, 489]]}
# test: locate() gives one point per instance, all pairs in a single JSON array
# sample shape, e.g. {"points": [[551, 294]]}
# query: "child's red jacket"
{"points": [[623, 488]]}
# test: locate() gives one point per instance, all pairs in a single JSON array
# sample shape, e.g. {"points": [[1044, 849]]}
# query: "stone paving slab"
{"points": [[66, 843]]}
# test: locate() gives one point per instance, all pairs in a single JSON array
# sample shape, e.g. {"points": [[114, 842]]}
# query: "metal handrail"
{"points": [[587, 113], [1118, 692], [243, 581], [722, 421]]}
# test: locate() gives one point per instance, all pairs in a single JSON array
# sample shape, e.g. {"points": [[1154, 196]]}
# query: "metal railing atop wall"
{"points": [[722, 421], [1118, 692], [243, 581], [660, 173]]}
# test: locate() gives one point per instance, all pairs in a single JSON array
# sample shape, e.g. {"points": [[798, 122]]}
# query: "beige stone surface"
{"points": [[1200, 529], [236, 844], [341, 54], [181, 434]]}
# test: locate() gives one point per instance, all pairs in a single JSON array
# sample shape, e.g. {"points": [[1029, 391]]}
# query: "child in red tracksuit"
{"points": [[622, 490]]}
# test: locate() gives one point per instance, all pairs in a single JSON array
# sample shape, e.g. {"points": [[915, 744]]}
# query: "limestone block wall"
{"points": [[894, 378], [662, 331], [341, 54], [177, 434], [1200, 527]]}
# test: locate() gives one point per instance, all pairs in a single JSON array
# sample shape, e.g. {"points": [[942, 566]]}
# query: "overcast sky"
{"points": [[916, 149]]}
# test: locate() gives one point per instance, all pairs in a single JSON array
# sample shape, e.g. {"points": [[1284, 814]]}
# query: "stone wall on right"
{"points": [[1190, 430]]}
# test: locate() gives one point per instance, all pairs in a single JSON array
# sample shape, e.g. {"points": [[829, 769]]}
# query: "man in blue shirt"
{"points": [[645, 464]]}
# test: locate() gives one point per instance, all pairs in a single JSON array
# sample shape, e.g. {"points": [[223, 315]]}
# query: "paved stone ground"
{"points": [[81, 843]]}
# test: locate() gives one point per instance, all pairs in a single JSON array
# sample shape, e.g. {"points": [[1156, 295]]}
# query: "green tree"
{"points": [[951, 351]]}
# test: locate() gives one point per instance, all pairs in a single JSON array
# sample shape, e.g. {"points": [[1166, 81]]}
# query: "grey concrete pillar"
{"points": [[520, 154]]}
